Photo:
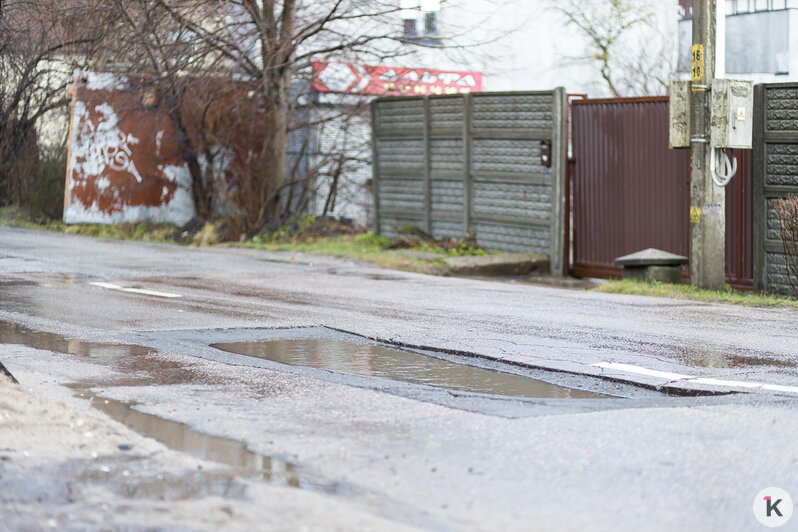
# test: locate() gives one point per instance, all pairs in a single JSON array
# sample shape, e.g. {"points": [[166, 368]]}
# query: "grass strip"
{"points": [[689, 292]]}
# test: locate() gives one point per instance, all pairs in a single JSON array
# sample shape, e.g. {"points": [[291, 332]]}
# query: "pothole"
{"points": [[233, 453], [123, 478], [372, 360], [13, 333]]}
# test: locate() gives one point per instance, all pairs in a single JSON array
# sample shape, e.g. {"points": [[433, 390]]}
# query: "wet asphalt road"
{"points": [[423, 456]]}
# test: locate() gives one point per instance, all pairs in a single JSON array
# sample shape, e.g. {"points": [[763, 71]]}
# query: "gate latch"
{"points": [[545, 153]]}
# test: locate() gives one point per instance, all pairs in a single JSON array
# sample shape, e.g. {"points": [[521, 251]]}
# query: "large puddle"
{"points": [[397, 364], [13, 333], [233, 453]]}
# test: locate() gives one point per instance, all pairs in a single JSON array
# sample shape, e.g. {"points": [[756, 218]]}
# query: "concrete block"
{"points": [[652, 265], [500, 264]]}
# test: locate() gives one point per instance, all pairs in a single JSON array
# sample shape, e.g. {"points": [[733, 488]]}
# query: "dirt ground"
{"points": [[64, 465]]}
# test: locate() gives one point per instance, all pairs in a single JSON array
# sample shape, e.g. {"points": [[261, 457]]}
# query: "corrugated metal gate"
{"points": [[631, 192], [451, 164], [776, 176]]}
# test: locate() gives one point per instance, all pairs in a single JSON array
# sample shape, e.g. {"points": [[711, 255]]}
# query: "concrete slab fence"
{"points": [[775, 176], [474, 162]]}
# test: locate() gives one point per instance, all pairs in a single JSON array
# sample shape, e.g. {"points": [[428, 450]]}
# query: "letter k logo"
{"points": [[772, 506]]}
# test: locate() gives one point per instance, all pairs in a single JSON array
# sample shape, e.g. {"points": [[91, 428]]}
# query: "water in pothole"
{"points": [[373, 360], [233, 453], [14, 333]]}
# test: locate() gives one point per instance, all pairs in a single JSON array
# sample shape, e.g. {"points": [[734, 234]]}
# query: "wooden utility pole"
{"points": [[707, 200]]}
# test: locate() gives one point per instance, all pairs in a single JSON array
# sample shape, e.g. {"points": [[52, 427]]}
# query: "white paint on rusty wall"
{"points": [[101, 81], [178, 211], [222, 159], [158, 142], [98, 146], [101, 145], [102, 183]]}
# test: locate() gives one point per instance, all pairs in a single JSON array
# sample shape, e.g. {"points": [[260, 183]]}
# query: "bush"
{"points": [[787, 211], [46, 198], [34, 182]]}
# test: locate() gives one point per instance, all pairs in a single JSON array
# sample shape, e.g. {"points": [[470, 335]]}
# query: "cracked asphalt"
{"points": [[411, 455]]}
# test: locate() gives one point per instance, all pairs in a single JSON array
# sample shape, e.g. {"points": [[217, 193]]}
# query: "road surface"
{"points": [[119, 335]]}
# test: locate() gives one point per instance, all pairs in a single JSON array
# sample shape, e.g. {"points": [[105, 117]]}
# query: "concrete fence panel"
{"points": [[775, 176], [474, 162]]}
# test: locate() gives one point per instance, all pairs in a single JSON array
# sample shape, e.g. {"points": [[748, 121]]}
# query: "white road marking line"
{"points": [[142, 291], [780, 388], [628, 368], [679, 377], [721, 382]]}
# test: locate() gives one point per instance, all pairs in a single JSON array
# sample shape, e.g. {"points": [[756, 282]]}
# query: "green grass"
{"points": [[686, 291], [365, 247], [143, 231]]}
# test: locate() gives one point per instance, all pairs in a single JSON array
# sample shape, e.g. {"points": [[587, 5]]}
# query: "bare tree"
{"points": [[787, 212], [227, 68], [272, 43], [627, 65], [37, 41], [181, 74]]}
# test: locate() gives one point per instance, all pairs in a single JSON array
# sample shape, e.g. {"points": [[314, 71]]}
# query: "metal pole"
{"points": [[707, 201]]}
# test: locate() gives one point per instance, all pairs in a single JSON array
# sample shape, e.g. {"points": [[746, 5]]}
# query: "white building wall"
{"points": [[342, 145], [526, 45]]}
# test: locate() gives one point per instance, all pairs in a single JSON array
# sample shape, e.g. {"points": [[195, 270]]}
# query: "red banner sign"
{"points": [[354, 78]]}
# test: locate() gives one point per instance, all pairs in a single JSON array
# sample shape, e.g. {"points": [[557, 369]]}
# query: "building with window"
{"points": [[517, 44], [420, 21], [758, 39]]}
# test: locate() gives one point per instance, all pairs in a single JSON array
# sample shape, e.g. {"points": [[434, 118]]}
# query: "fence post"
{"points": [[427, 163], [559, 155], [375, 172], [759, 211], [468, 188]]}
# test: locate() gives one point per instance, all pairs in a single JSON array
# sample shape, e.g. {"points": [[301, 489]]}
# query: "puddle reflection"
{"points": [[191, 485], [380, 361], [233, 453], [13, 333]]}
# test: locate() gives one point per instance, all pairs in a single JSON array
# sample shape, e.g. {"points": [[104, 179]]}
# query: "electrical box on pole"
{"points": [[731, 122], [679, 114], [709, 115], [732, 114]]}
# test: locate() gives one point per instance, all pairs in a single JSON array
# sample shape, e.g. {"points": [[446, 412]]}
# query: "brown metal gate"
{"points": [[631, 192]]}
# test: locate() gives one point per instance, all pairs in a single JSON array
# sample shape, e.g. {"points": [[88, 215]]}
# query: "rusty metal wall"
{"points": [[631, 192], [776, 176], [451, 164], [126, 164], [740, 223]]}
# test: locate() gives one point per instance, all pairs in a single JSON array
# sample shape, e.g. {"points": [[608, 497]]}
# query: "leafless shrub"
{"points": [[787, 212], [198, 51], [633, 67], [39, 42]]}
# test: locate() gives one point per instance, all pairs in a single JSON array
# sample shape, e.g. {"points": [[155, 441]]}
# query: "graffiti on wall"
{"points": [[380, 80], [104, 145], [123, 165]]}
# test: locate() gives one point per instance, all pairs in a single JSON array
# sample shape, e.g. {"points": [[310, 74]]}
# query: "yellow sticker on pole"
{"points": [[695, 215], [697, 68]]}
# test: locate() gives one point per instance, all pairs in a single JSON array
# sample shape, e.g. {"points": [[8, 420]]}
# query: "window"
{"points": [[735, 7], [431, 23], [420, 20]]}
